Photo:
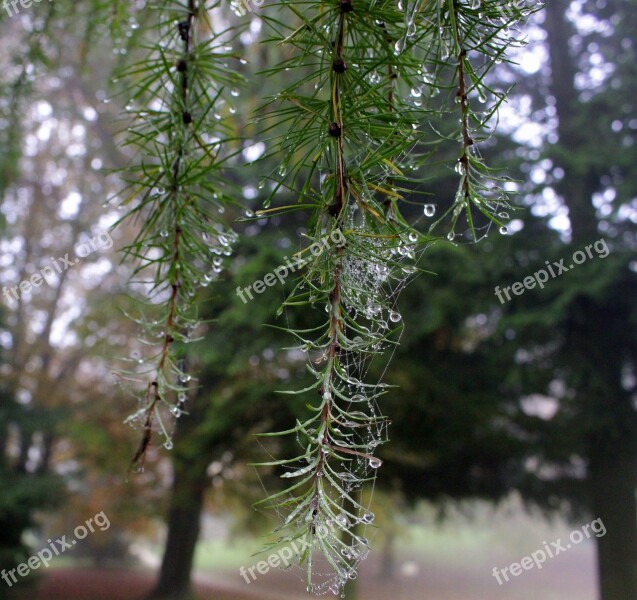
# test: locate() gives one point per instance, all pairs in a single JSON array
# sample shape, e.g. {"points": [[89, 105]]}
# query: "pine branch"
{"points": [[179, 185]]}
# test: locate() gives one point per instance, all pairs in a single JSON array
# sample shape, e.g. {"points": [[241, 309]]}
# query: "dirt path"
{"points": [[566, 581]]}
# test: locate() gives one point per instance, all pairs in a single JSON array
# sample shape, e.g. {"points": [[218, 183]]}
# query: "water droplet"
{"points": [[168, 445], [429, 210], [368, 518], [504, 230], [234, 92], [451, 236], [374, 462], [394, 316]]}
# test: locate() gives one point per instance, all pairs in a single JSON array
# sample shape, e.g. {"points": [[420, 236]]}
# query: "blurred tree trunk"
{"points": [[184, 515], [612, 472], [596, 340], [388, 556]]}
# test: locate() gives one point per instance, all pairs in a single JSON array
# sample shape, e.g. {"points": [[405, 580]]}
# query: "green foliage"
{"points": [[176, 193], [349, 145], [346, 132]]}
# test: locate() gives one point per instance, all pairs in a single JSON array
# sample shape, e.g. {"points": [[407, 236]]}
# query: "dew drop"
{"points": [[368, 518], [342, 520], [429, 210], [374, 462]]}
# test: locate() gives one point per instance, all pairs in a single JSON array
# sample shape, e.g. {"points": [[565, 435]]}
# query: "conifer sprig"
{"points": [[351, 140], [176, 192]]}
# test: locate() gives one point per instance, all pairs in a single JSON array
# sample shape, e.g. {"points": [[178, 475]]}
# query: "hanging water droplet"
{"points": [[475, 4], [368, 518], [234, 92], [429, 210], [504, 230], [504, 215], [175, 411], [394, 316], [168, 445], [451, 236], [374, 462]]}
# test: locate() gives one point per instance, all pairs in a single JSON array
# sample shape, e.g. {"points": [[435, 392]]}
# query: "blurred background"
{"points": [[513, 423]]}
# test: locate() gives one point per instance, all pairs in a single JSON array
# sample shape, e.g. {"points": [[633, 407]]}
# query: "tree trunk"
{"points": [[388, 557], [613, 478], [612, 452], [187, 497]]}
